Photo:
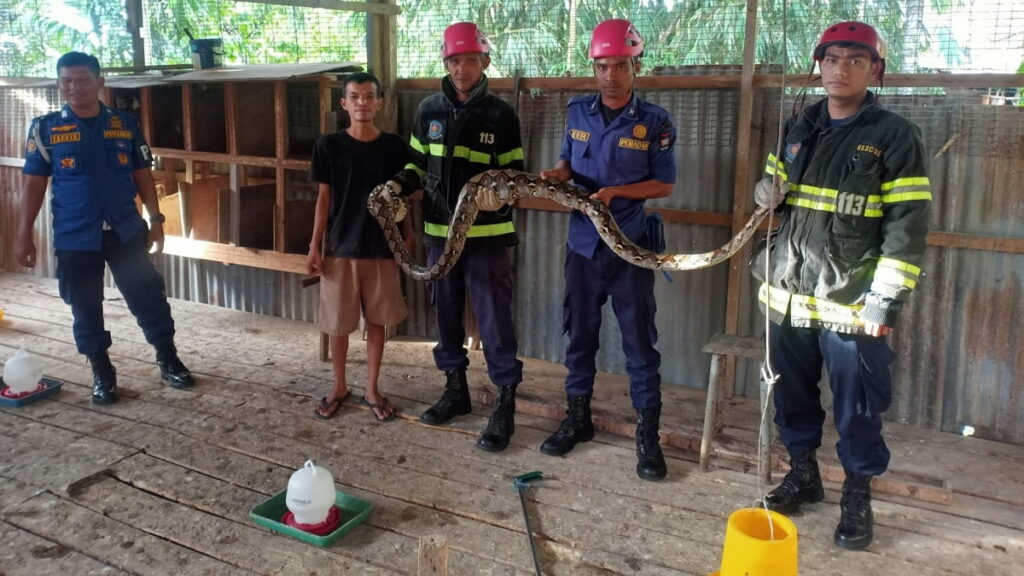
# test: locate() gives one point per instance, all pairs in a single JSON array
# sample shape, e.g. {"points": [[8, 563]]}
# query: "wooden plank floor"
{"points": [[161, 482]]}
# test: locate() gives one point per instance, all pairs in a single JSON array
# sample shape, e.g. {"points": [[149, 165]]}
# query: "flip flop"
{"points": [[385, 407], [327, 409]]}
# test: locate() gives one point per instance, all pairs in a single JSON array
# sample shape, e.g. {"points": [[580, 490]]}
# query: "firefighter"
{"points": [[458, 133], [853, 194]]}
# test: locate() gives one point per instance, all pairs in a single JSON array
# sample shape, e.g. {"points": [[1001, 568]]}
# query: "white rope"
{"points": [[768, 375]]}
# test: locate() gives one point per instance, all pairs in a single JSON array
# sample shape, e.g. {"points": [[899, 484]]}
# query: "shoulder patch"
{"points": [[436, 130], [792, 150], [579, 135]]}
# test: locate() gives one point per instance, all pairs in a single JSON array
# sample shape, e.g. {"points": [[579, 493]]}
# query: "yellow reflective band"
{"points": [[782, 173], [901, 182], [416, 145], [892, 277], [436, 149], [873, 213], [811, 204], [810, 308], [474, 231], [779, 298], [823, 192], [899, 265], [469, 154], [419, 171], [510, 157], [906, 197]]}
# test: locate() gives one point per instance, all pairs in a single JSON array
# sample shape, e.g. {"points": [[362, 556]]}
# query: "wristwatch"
{"points": [[157, 219]]}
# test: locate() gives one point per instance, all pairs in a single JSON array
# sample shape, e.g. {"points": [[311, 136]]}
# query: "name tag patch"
{"points": [[634, 144], [579, 135], [869, 149], [62, 138], [127, 134]]}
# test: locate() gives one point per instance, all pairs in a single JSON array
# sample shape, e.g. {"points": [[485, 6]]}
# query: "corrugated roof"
{"points": [[248, 72]]}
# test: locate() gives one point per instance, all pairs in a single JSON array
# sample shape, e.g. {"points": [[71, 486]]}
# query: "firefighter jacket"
{"points": [[453, 141], [854, 223]]}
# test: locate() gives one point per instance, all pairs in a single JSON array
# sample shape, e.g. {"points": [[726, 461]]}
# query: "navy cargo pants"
{"points": [[858, 374], [486, 272], [588, 284], [80, 278]]}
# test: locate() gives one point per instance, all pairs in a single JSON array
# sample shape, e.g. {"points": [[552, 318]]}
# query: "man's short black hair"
{"points": [[79, 59], [361, 78]]}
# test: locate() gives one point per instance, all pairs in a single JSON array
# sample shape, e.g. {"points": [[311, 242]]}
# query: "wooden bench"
{"points": [[721, 346]]}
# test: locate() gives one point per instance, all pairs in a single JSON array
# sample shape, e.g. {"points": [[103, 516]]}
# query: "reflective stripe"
{"points": [[890, 277], [419, 171], [773, 164], [436, 150], [808, 308], [811, 204], [907, 190], [907, 197], [899, 265], [474, 231], [780, 298], [902, 182], [510, 157], [416, 145], [816, 191], [467, 153]]}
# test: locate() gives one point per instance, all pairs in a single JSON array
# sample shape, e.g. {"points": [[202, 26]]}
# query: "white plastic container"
{"points": [[310, 494], [22, 372]]}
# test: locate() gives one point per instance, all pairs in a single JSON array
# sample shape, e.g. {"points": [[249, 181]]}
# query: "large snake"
{"points": [[495, 188]]}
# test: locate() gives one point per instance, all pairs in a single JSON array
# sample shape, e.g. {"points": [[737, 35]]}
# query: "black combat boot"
{"points": [[801, 484], [856, 525], [502, 423], [104, 379], [577, 427], [171, 368], [650, 462], [454, 402]]}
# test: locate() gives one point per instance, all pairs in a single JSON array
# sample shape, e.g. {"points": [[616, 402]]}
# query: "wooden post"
{"points": [[433, 558], [135, 17], [741, 190], [382, 60]]}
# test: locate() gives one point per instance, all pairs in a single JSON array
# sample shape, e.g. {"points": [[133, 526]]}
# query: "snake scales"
{"points": [[505, 186]]}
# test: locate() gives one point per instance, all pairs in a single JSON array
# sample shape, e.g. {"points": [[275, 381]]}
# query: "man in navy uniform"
{"points": [[619, 148], [458, 133], [98, 162], [853, 191]]}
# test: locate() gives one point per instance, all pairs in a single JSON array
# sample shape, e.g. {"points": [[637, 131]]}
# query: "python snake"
{"points": [[506, 186]]}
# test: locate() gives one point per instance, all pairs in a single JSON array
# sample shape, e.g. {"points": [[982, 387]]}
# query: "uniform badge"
{"points": [[63, 128], [639, 131], [67, 163], [665, 136], [115, 123], [122, 158], [30, 146], [791, 151], [436, 130]]}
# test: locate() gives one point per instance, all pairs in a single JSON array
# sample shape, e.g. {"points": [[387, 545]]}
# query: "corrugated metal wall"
{"points": [[960, 360]]}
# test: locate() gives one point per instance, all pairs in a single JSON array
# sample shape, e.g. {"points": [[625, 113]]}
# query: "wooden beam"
{"points": [[433, 556], [231, 116], [335, 5], [136, 20], [221, 158], [228, 254], [146, 102], [741, 191], [977, 242], [186, 116], [585, 84]]}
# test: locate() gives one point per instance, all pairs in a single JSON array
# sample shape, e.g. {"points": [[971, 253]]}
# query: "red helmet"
{"points": [[851, 33], [616, 38], [464, 38]]}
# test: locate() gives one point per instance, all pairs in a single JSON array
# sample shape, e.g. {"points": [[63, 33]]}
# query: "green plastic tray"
{"points": [[353, 512]]}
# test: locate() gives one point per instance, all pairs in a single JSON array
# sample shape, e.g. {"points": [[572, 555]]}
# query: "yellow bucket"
{"points": [[755, 548]]}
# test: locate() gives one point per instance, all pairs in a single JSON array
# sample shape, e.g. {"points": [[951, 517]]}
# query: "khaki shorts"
{"points": [[350, 285]]}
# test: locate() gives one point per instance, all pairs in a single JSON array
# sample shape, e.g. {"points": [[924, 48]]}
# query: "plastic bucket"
{"points": [[206, 53], [755, 548]]}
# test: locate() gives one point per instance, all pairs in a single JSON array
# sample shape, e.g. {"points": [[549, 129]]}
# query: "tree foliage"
{"points": [[537, 38]]}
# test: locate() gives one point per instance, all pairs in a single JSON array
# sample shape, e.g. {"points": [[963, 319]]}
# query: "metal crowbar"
{"points": [[520, 483]]}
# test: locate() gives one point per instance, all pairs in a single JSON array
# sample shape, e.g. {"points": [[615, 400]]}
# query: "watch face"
{"points": [[157, 218]]}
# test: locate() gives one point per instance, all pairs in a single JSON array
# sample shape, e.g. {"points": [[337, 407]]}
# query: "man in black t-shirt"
{"points": [[348, 249]]}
